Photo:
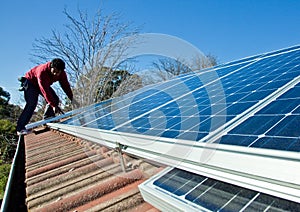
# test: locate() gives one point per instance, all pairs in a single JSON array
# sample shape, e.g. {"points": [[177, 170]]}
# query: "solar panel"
{"points": [[200, 193], [246, 111], [275, 126], [217, 96]]}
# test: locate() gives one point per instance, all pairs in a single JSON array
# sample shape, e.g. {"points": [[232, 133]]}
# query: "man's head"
{"points": [[57, 66]]}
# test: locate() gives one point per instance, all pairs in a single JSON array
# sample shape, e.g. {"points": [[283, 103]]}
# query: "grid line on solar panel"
{"points": [[243, 92]]}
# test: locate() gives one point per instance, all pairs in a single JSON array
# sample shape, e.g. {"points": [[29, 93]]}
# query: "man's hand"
{"points": [[58, 110]]}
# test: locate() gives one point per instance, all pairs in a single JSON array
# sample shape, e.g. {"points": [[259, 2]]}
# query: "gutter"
{"points": [[10, 200]]}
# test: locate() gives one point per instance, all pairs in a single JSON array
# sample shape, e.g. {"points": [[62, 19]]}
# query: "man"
{"points": [[38, 81]]}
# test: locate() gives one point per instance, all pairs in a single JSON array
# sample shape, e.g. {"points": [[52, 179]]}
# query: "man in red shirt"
{"points": [[38, 81]]}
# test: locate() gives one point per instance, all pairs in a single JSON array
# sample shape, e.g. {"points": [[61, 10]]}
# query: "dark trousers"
{"points": [[31, 95]]}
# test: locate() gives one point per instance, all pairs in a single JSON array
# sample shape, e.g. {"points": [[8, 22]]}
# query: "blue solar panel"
{"points": [[193, 105], [275, 126], [215, 195]]}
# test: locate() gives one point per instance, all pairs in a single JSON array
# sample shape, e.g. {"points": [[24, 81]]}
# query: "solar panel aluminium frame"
{"points": [[252, 168]]}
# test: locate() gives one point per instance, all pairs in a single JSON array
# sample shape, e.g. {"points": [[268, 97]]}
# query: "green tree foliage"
{"points": [[4, 172], [8, 139], [4, 96], [8, 118]]}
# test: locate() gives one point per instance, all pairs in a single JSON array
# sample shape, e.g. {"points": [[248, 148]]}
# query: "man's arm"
{"points": [[65, 85]]}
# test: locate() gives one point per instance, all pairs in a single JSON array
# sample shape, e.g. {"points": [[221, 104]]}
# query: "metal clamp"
{"points": [[119, 148]]}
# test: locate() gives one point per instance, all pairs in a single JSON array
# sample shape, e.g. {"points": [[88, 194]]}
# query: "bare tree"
{"points": [[204, 62], [163, 69], [171, 66], [168, 67], [91, 49]]}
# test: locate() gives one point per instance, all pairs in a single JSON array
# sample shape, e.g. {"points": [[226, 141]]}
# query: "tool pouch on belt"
{"points": [[24, 83]]}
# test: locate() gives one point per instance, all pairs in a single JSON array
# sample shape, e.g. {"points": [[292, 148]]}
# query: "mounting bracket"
{"points": [[119, 148]]}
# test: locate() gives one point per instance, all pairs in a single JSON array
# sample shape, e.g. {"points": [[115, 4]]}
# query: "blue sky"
{"points": [[227, 29]]}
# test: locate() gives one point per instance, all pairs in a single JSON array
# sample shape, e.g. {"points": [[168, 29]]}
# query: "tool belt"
{"points": [[24, 83]]}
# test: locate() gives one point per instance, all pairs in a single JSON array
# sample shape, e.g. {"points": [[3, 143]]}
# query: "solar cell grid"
{"points": [[275, 126], [216, 195], [162, 107]]}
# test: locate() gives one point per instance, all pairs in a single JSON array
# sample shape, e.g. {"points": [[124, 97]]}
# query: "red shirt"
{"points": [[41, 77]]}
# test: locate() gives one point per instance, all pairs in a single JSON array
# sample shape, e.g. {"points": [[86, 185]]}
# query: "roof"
{"points": [[65, 173]]}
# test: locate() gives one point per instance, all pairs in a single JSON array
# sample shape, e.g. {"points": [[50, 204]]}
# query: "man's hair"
{"points": [[58, 64]]}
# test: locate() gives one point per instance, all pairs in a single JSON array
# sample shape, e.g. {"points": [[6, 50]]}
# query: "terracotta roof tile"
{"points": [[64, 173]]}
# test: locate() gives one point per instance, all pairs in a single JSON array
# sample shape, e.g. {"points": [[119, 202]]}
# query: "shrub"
{"points": [[4, 172]]}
